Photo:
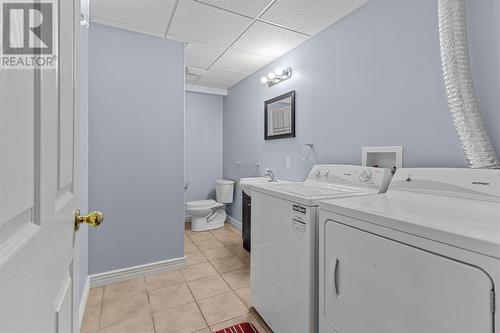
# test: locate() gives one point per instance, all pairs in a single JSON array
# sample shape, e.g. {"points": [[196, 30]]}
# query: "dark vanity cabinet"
{"points": [[246, 213]]}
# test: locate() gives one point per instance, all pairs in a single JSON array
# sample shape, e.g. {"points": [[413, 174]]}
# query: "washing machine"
{"points": [[423, 257], [283, 271]]}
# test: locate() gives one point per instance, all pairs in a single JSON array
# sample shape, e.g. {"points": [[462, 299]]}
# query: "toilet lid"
{"points": [[199, 203], [224, 182]]}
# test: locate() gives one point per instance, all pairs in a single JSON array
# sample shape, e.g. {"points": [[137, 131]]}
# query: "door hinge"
{"points": [[492, 301]]}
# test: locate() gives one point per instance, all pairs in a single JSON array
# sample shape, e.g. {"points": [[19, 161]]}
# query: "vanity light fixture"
{"points": [[279, 75]]}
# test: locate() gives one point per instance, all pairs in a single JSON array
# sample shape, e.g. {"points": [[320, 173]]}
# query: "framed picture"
{"points": [[279, 117]]}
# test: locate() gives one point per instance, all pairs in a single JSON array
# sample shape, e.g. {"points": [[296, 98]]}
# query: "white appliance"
{"points": [[211, 214], [284, 216], [423, 257]]}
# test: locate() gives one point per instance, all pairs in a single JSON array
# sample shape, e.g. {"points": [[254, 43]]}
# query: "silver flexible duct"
{"points": [[459, 85]]}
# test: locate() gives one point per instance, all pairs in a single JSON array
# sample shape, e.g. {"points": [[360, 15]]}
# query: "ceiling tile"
{"points": [[250, 8], [202, 55], [191, 79], [195, 71], [242, 62], [200, 22], [268, 40], [211, 84], [218, 78], [308, 16], [178, 38], [148, 14]]}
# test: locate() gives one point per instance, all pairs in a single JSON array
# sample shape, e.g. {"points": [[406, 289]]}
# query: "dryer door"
{"points": [[373, 284]]}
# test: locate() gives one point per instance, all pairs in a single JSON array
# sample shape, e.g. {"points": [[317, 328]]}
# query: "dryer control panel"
{"points": [[478, 184]]}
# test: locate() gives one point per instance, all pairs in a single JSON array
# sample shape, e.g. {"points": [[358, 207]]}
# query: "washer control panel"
{"points": [[365, 176], [351, 174]]}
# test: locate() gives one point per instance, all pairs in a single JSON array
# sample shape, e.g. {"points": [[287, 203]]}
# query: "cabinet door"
{"points": [[376, 285], [247, 218]]}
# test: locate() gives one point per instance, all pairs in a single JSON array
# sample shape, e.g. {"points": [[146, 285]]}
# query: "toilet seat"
{"points": [[203, 204]]}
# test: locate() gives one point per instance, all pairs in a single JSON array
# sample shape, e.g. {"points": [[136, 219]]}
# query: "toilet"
{"points": [[211, 214]]}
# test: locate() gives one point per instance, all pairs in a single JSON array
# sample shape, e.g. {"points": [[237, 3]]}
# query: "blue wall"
{"points": [[484, 43], [372, 79], [203, 145], [136, 151]]}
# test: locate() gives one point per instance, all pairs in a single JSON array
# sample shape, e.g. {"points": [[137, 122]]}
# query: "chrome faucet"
{"points": [[271, 175]]}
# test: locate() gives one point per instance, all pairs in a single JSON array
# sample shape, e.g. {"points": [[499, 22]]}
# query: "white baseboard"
{"points": [[234, 222], [102, 279], [83, 300]]}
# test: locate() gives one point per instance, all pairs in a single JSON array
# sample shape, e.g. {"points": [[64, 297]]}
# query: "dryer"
{"points": [[283, 273], [423, 257]]}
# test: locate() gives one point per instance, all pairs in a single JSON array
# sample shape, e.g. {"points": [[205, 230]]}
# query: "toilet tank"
{"points": [[224, 190]]}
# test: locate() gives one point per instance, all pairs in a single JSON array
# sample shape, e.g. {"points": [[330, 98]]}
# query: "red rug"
{"points": [[240, 328]]}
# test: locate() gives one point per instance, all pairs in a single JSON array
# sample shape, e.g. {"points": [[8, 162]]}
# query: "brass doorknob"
{"points": [[93, 219]]}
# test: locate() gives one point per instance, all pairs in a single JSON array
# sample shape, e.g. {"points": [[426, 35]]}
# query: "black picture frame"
{"points": [[292, 115]]}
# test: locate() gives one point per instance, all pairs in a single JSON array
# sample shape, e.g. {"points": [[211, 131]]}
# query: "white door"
{"points": [[39, 190], [376, 285]]}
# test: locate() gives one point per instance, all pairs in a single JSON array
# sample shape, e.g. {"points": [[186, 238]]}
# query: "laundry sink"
{"points": [[246, 183]]}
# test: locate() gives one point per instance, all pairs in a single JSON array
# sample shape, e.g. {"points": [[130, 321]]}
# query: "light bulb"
{"points": [[271, 76], [264, 79], [278, 71]]}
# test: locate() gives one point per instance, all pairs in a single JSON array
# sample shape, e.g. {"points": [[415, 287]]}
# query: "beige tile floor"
{"points": [[211, 293]]}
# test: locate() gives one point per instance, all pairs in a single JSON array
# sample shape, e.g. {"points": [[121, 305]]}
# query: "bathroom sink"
{"points": [[246, 183]]}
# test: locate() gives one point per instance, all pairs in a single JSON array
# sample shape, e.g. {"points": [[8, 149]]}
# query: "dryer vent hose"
{"points": [[459, 85]]}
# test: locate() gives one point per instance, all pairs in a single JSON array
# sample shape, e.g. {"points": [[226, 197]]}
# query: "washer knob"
{"points": [[318, 173], [326, 172], [365, 176]]}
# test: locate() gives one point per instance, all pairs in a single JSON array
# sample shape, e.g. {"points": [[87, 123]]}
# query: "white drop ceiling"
{"points": [[226, 40]]}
